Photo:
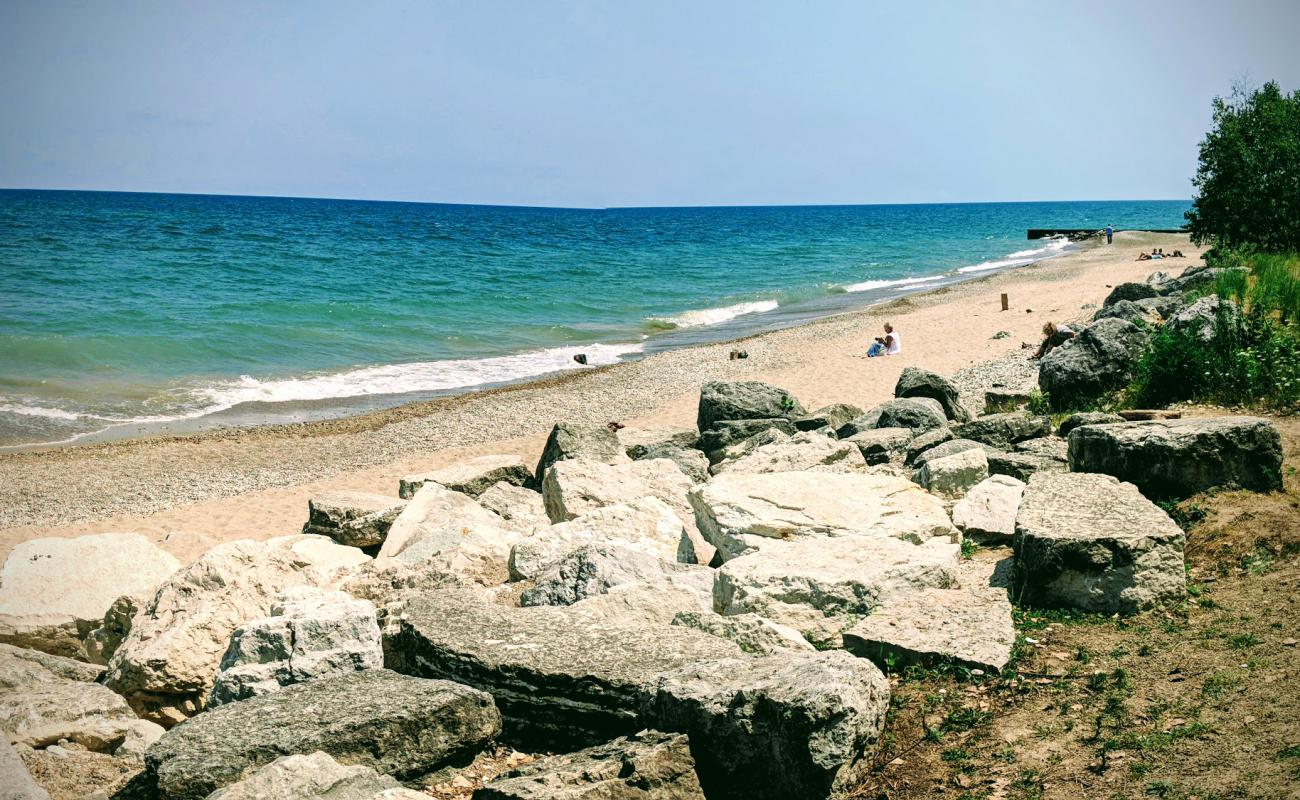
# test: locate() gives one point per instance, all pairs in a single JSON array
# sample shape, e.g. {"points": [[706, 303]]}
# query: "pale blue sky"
{"points": [[627, 103]]}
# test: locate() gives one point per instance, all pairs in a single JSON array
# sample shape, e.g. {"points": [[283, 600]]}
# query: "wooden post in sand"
{"points": [[1005, 305]]}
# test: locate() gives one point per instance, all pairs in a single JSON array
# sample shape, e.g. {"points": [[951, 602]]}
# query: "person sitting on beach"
{"points": [[887, 345], [1054, 336]]}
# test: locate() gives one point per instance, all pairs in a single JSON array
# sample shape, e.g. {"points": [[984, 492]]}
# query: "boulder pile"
{"points": [[675, 613]]}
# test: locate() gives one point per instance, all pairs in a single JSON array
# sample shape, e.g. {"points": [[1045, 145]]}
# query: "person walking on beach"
{"points": [[1110, 234], [887, 345]]}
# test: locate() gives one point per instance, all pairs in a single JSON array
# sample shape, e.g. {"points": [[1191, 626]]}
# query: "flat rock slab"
{"points": [[472, 477], [805, 451], [646, 523], [1088, 541], [738, 513], [559, 673], [54, 591], [1179, 457], [315, 777], [45, 698], [394, 724], [645, 766], [15, 782], [971, 627], [820, 585], [359, 519], [578, 486], [596, 569], [988, 511]]}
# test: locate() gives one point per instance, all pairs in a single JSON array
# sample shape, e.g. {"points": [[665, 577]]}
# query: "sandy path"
{"points": [[255, 482]]}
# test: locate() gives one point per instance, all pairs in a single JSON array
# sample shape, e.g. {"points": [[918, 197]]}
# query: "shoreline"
{"points": [[166, 483], [742, 327]]}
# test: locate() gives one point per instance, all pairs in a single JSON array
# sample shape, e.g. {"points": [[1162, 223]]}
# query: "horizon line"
{"points": [[597, 208]]}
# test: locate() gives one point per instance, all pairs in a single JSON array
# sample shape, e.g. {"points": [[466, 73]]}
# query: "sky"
{"points": [[627, 103]]}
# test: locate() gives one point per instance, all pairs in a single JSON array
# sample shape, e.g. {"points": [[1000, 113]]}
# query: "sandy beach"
{"points": [[189, 493]]}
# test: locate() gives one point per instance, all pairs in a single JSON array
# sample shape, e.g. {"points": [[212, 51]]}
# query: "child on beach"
{"points": [[887, 345], [1055, 336]]}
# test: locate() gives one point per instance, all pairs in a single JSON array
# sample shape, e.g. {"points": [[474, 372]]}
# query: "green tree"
{"points": [[1248, 181]]}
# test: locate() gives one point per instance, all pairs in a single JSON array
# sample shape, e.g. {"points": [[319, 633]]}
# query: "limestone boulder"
{"points": [[46, 698], [450, 529], [1004, 430], [1022, 466], [576, 487], [972, 628], [522, 508], [638, 442], [15, 782], [918, 414], [394, 724], [647, 766], [359, 519], [754, 634], [53, 592], [1177, 458], [646, 523], [692, 463], [1091, 542], [596, 569], [1129, 291], [926, 441], [315, 776], [952, 476], [1200, 320], [1085, 418], [1052, 447], [739, 513], [820, 585], [166, 664], [1097, 361], [1001, 398], [311, 634], [1138, 312], [790, 724], [784, 725], [473, 476], [738, 400], [988, 511], [804, 451], [714, 442], [573, 440], [943, 450], [832, 416], [917, 382], [882, 445]]}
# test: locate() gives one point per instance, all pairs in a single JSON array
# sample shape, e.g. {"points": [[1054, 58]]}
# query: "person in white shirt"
{"points": [[887, 345]]}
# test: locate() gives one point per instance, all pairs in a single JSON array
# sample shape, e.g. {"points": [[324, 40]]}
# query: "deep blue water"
{"points": [[148, 307]]}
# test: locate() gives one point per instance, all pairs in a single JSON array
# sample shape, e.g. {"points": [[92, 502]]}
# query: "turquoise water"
{"points": [[121, 309]]}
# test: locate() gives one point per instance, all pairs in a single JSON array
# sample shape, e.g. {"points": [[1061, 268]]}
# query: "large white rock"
{"points": [[752, 633], [952, 476], [15, 782], [311, 633], [969, 625], [166, 664], [803, 451], [45, 698], [988, 511], [576, 487], [359, 519], [472, 477], [739, 513], [646, 523], [820, 585], [1091, 542], [522, 508], [53, 592], [452, 530], [315, 776], [596, 569]]}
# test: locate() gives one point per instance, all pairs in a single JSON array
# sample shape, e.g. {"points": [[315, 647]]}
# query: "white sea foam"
{"points": [[1054, 246], [389, 379], [867, 286], [714, 316]]}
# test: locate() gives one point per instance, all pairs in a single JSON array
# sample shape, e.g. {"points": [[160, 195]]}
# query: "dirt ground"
{"points": [[1197, 702]]}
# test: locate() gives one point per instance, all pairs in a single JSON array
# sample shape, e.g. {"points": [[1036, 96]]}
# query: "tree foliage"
{"points": [[1248, 181]]}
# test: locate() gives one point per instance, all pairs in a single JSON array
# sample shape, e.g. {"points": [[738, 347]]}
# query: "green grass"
{"points": [[1253, 358]]}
